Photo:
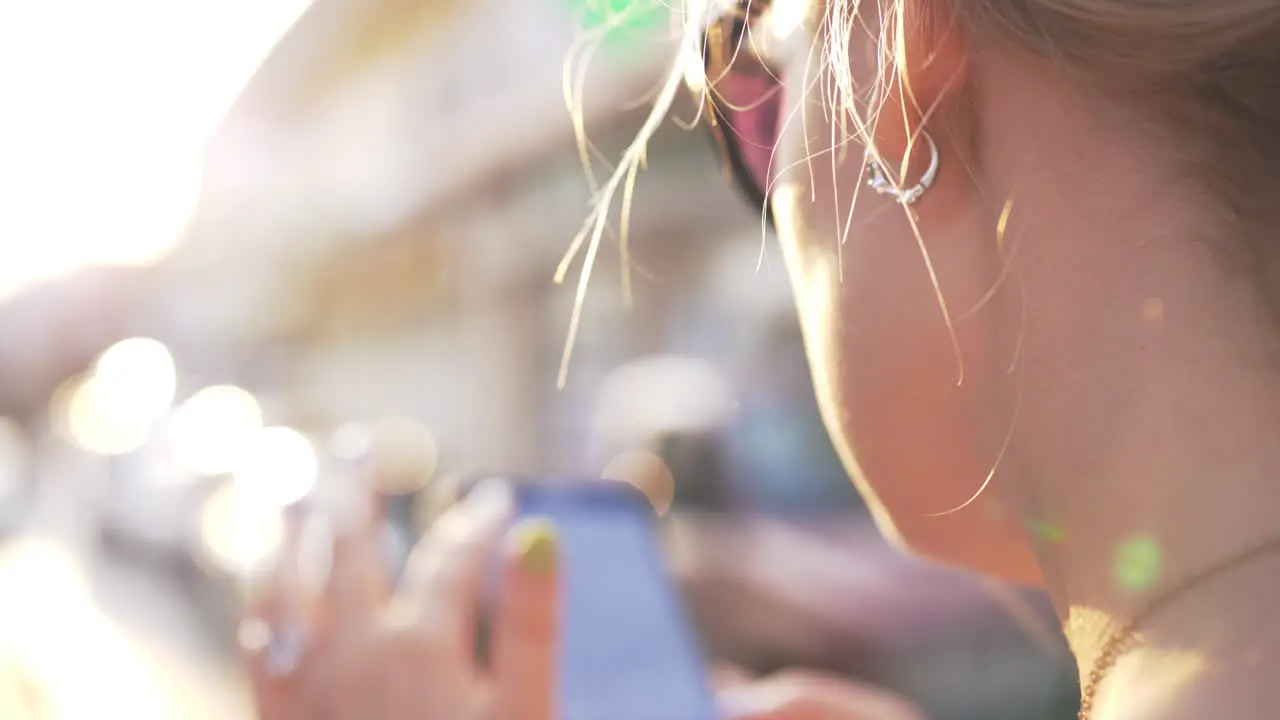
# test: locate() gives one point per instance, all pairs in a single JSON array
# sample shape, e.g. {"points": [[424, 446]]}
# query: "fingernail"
{"points": [[535, 546], [490, 497]]}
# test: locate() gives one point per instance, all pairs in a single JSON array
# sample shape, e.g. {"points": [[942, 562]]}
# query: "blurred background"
{"points": [[244, 241]]}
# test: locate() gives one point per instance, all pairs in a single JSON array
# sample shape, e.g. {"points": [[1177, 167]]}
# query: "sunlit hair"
{"points": [[1205, 73]]}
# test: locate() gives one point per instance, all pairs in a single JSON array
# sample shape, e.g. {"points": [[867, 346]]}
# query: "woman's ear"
{"points": [[923, 73]]}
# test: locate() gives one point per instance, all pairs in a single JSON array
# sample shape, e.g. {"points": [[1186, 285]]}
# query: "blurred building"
{"points": [[380, 237]]}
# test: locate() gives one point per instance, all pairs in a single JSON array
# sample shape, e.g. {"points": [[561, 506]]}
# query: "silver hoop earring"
{"points": [[879, 181]]}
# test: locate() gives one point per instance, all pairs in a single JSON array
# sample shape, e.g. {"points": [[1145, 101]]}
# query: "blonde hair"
{"points": [[1205, 71]]}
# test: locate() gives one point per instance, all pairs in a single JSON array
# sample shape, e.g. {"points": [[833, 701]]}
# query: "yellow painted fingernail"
{"points": [[535, 545]]}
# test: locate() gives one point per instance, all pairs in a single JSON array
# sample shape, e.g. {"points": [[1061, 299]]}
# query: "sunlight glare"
{"points": [[240, 536], [786, 18], [107, 110]]}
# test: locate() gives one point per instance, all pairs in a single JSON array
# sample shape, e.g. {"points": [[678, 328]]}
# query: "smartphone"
{"points": [[628, 651]]}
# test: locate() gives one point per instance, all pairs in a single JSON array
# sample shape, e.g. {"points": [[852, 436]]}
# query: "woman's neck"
{"points": [[1157, 462], [1188, 565], [1147, 441]]}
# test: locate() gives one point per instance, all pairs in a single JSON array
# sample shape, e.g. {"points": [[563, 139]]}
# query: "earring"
{"points": [[879, 181]]}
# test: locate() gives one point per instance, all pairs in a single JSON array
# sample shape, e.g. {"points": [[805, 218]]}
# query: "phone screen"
{"points": [[628, 652]]}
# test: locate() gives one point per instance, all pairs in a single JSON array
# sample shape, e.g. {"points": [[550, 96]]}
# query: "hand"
{"points": [[813, 696], [358, 652]]}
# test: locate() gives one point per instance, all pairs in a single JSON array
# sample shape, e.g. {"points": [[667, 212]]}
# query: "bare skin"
{"points": [[1104, 365], [371, 654]]}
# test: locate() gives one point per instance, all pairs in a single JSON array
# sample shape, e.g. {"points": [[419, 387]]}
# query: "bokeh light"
{"points": [[279, 467], [96, 425], [112, 409], [212, 431], [661, 394], [239, 535], [91, 426], [106, 120], [404, 456], [253, 635], [648, 473], [622, 21], [1138, 562], [139, 372], [1047, 531], [351, 441]]}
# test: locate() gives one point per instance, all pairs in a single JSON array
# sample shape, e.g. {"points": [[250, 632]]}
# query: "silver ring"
{"points": [[879, 181]]}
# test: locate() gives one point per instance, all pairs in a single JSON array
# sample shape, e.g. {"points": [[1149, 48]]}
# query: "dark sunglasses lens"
{"points": [[748, 107], [746, 97]]}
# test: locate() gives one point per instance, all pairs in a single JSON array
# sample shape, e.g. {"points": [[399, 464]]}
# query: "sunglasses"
{"points": [[743, 101]]}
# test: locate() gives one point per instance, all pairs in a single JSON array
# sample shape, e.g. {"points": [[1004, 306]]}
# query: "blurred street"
{"points": [[104, 635]]}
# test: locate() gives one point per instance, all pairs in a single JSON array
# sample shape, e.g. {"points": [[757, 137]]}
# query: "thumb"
{"points": [[526, 624], [276, 630], [728, 677], [277, 623], [359, 581]]}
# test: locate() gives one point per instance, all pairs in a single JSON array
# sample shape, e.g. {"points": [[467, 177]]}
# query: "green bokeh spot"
{"points": [[623, 21], [1138, 563], [1048, 532]]}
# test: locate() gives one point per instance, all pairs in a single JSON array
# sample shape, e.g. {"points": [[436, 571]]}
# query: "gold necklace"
{"points": [[1123, 639]]}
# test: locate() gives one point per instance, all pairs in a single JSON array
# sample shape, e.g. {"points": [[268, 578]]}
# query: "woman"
{"points": [[1033, 250]]}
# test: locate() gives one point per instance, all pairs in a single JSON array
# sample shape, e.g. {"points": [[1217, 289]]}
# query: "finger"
{"points": [[278, 621], [359, 581], [350, 684], [445, 575], [725, 677], [441, 494], [526, 624], [814, 697], [275, 632], [275, 693]]}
